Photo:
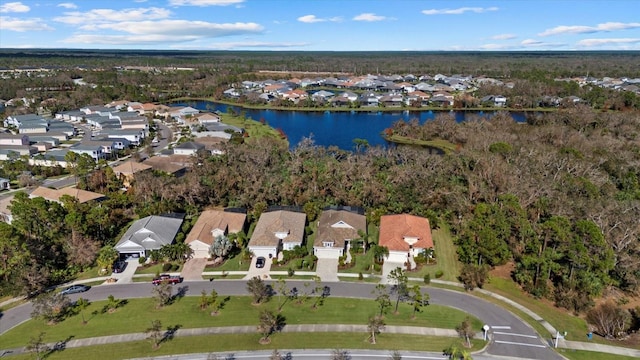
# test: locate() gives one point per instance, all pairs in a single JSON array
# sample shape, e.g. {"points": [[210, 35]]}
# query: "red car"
{"points": [[166, 278]]}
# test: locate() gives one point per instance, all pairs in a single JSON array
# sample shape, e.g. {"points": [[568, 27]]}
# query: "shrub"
{"points": [[142, 260], [360, 276], [427, 279], [439, 274], [376, 267], [167, 266], [290, 272]]}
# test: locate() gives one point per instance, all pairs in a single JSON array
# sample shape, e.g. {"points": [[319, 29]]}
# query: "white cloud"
{"points": [[204, 2], [582, 29], [600, 42], [503, 37], [540, 44], [313, 19], [14, 7], [369, 17], [68, 5], [458, 11], [495, 47], [22, 25], [149, 32], [250, 44], [97, 16], [181, 28]]}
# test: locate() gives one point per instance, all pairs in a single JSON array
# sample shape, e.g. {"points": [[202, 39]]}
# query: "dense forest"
{"points": [[559, 196]]}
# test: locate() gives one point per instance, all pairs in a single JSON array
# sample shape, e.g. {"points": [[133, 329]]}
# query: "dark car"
{"points": [[260, 262], [75, 289], [119, 266]]}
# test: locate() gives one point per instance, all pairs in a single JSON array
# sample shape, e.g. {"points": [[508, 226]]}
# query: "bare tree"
{"points": [[155, 333], [609, 320], [258, 289], [37, 346], [375, 326], [465, 330], [269, 322], [162, 293], [339, 354]]}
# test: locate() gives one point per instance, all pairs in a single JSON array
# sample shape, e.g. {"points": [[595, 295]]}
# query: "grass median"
{"points": [[137, 314], [236, 342]]}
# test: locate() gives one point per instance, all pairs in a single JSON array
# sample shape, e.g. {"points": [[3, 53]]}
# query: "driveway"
{"points": [[262, 273], [126, 276], [387, 267], [193, 268], [327, 269]]}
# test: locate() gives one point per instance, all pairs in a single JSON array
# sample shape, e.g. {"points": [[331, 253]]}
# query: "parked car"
{"points": [[119, 266], [75, 289], [166, 278], [260, 262]]}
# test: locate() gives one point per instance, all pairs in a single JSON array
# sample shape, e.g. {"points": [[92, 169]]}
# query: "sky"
{"points": [[322, 25]]}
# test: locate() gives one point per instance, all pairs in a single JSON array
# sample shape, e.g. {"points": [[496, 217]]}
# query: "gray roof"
{"points": [[150, 233]]}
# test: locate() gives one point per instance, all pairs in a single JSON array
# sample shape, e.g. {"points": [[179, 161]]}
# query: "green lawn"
{"points": [[235, 263], [156, 268], [581, 355], [560, 319], [443, 145], [446, 257], [253, 127], [236, 342], [137, 314]]}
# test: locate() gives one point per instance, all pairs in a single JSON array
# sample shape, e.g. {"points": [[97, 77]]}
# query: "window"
{"points": [[327, 243]]}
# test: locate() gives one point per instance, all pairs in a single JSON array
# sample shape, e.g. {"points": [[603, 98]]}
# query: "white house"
{"points": [[149, 233]]}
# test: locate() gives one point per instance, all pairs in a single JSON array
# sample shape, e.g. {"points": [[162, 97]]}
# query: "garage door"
{"points": [[327, 253]]}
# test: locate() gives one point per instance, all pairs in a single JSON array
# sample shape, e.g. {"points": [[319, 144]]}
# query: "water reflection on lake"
{"points": [[337, 128]]}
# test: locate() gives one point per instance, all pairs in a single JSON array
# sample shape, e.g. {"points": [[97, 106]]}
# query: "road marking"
{"points": [[512, 334], [516, 343], [502, 327]]}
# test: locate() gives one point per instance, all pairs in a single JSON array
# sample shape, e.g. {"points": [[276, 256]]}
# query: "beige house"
{"points": [[127, 170], [211, 224], [55, 194], [336, 230], [277, 230]]}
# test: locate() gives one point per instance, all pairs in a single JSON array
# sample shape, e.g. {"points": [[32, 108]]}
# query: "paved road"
{"points": [[510, 336], [315, 354]]}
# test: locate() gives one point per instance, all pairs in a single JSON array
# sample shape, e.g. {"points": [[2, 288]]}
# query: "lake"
{"points": [[337, 128]]}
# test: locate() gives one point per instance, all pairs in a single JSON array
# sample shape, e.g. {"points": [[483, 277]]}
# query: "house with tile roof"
{"points": [[211, 224], [405, 236], [277, 230], [336, 230], [149, 233]]}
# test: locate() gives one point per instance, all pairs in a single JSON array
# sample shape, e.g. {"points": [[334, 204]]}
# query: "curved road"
{"points": [[510, 336]]}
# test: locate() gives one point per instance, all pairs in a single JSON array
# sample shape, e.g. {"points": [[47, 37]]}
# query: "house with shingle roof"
{"points": [[211, 224], [82, 196], [277, 230], [336, 230], [127, 170], [405, 236], [149, 233]]}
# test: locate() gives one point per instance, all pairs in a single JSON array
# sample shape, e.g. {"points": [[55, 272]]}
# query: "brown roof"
{"points": [[210, 220], [338, 226], [170, 164], [270, 223], [396, 229], [130, 167], [55, 195]]}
